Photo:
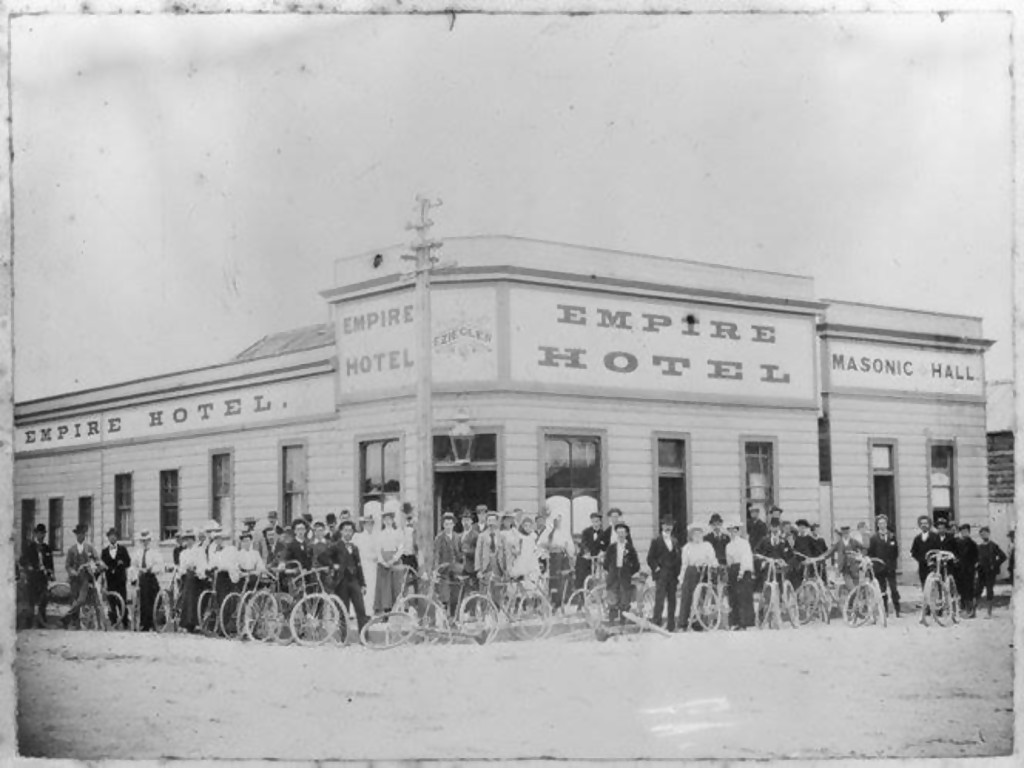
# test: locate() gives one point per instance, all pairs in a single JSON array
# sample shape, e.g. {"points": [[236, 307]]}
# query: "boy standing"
{"points": [[990, 560], [665, 560], [963, 572], [621, 563]]}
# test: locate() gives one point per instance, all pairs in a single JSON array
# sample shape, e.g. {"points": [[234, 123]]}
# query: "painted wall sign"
{"points": [[377, 340], [863, 365], [663, 347], [233, 408]]}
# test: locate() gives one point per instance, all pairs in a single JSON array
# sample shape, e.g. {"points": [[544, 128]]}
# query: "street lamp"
{"points": [[461, 437]]}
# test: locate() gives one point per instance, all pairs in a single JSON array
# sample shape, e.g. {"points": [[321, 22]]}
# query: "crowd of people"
{"points": [[368, 568]]}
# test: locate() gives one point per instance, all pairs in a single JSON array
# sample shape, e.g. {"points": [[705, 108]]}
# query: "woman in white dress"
{"points": [[561, 553], [366, 541], [527, 556], [390, 573]]}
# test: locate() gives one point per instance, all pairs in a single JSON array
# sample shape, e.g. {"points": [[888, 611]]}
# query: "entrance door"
{"points": [[459, 489]]}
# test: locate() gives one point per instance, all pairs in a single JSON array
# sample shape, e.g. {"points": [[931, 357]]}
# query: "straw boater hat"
{"points": [[145, 536], [694, 527]]}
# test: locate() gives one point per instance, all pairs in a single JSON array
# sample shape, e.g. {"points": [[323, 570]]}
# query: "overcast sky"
{"points": [[183, 184]]}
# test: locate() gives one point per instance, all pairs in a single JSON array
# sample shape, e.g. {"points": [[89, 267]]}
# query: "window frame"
{"points": [[213, 454], [543, 433], [161, 504], [296, 442], [772, 440], [90, 524], [122, 534], [55, 531], [379, 437], [954, 477], [657, 473], [893, 444]]}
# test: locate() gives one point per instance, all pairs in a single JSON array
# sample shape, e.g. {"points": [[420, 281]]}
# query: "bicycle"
{"points": [[864, 603], [318, 616], [774, 598], [230, 623], [525, 609], [814, 599], [709, 605], [167, 605], [940, 594]]}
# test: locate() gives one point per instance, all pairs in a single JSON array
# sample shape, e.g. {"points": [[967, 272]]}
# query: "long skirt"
{"points": [[192, 587], [370, 574], [741, 598], [559, 581], [388, 588]]}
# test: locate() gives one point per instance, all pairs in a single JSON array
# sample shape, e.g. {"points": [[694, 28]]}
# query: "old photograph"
{"points": [[479, 386]]}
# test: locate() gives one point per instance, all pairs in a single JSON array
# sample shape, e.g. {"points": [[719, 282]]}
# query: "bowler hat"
{"points": [[79, 529], [715, 518], [801, 523], [595, 514], [41, 528]]}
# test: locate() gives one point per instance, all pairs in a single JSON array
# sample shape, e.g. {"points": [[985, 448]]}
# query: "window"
{"points": [[55, 527], [293, 482], [85, 513], [941, 479], [380, 465], [123, 506], [28, 518], [169, 495], [671, 471], [883, 480], [483, 451], [824, 450], [759, 476], [220, 490], [572, 472]]}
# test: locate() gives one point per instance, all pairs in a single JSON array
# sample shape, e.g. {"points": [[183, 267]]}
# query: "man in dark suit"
{"points": [[884, 546], [777, 548], [963, 569], [448, 560], [81, 562], [621, 563], [297, 545], [717, 538], [923, 543], [757, 529], [37, 560], [592, 545], [947, 541], [115, 559], [349, 579], [664, 558]]}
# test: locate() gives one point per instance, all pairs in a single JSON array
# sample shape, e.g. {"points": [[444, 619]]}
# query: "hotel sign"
{"points": [[663, 348], [377, 340], [861, 365], [238, 409]]}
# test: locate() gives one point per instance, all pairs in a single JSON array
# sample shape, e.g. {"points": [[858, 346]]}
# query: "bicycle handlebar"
{"points": [[940, 554]]}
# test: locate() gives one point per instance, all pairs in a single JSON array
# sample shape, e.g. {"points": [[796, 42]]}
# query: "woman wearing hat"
{"points": [[390, 573], [366, 542], [148, 563]]}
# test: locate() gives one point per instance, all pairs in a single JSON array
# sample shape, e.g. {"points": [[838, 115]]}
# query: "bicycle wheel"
{"points": [[285, 604], [645, 603], [935, 599], [116, 614], [89, 617], [261, 617], [859, 608], [953, 597], [576, 611], [478, 614], [788, 604], [808, 603], [161, 611], [228, 620], [705, 607], [136, 613], [767, 617], [882, 616], [430, 616], [340, 636], [313, 620], [389, 630], [207, 609]]}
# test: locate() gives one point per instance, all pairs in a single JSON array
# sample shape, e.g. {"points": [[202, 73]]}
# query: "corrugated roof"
{"points": [[999, 411], [297, 340]]}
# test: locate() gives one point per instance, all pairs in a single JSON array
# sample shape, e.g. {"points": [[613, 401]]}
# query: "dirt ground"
{"points": [[821, 691]]}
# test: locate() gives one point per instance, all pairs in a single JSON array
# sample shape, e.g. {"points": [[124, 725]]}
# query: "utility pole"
{"points": [[424, 263]]}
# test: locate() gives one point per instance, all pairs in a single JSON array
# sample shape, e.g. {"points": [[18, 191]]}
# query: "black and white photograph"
{"points": [[487, 386]]}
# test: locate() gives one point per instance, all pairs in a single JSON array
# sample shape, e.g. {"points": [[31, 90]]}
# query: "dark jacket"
{"points": [[920, 547], [947, 543], [887, 551], [298, 551], [990, 558], [117, 566], [757, 530], [719, 542], [617, 579], [592, 542], [967, 554], [664, 564], [780, 551], [349, 567], [36, 557]]}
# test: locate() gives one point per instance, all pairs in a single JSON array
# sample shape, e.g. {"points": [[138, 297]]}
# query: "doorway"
{"points": [[459, 489]]}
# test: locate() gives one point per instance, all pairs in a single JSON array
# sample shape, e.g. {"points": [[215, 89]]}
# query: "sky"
{"points": [[184, 184]]}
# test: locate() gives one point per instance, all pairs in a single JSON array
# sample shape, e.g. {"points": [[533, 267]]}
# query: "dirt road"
{"points": [[814, 692]]}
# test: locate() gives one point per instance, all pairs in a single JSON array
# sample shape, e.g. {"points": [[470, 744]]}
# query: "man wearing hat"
{"points": [[946, 538], [492, 558], [449, 562], [740, 560], [964, 567], [664, 558], [270, 522], [621, 563], [116, 560], [592, 547], [346, 563], [37, 560], [333, 534], [883, 545], [697, 553], [717, 538], [846, 566], [148, 563], [757, 529], [81, 561]]}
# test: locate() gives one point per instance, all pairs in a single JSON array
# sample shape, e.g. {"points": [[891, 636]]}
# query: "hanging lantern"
{"points": [[461, 436]]}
